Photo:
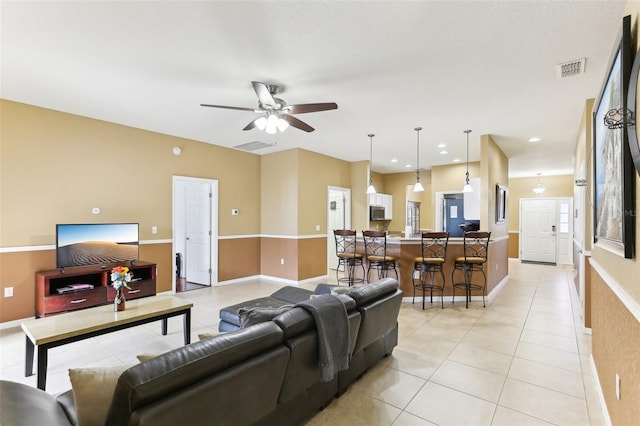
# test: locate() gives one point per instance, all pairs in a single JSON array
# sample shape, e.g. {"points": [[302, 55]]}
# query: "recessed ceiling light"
{"points": [[444, 151], [535, 139], [408, 166], [394, 160], [441, 145], [456, 160]]}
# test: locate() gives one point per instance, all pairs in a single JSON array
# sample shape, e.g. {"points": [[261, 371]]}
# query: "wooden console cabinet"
{"points": [[48, 283]]}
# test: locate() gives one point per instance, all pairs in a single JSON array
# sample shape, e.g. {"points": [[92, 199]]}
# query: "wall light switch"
{"points": [[154, 229], [8, 292], [317, 227]]}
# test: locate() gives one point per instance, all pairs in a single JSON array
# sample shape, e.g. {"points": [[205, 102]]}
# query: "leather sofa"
{"points": [[264, 374]]}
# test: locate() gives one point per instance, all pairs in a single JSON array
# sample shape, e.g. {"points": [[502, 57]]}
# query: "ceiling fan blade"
{"points": [[302, 108], [251, 125], [297, 123], [228, 107], [264, 95]]}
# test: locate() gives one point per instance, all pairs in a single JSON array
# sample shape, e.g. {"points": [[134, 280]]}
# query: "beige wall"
{"points": [[397, 184], [56, 167], [279, 183], [316, 173], [615, 320], [359, 201], [557, 186], [494, 169]]}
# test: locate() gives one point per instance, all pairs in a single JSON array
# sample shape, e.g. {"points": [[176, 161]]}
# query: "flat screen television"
{"points": [[96, 244]]}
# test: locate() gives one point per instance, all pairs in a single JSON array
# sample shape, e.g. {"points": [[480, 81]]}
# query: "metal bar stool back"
{"points": [[347, 256], [476, 251], [430, 263], [375, 246]]}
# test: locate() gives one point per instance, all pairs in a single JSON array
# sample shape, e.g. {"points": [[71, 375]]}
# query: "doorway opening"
{"points": [[195, 233], [338, 217]]}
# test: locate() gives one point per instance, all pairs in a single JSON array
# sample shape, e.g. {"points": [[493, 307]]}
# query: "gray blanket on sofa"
{"points": [[332, 324]]}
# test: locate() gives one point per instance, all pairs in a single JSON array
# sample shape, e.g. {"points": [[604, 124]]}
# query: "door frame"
{"points": [[439, 208], [569, 242], [347, 220], [178, 226]]}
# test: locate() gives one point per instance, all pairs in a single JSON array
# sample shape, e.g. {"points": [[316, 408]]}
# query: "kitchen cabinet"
{"points": [[383, 200]]}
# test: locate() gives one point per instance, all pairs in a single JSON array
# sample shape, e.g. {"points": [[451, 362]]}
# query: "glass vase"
{"points": [[119, 301]]}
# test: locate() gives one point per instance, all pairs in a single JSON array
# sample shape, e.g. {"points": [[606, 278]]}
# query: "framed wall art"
{"points": [[614, 175], [501, 203]]}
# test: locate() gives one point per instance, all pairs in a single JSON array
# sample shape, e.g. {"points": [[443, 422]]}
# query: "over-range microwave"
{"points": [[376, 213]]}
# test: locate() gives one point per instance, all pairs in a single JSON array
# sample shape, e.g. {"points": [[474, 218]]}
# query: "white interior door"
{"points": [[198, 233], [538, 231], [338, 217]]}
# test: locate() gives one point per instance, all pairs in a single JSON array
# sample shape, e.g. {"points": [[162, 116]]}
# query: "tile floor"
{"points": [[522, 360]]}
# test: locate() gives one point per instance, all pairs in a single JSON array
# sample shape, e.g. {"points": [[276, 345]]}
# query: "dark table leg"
{"points": [[28, 363], [42, 366], [164, 326], [187, 327]]}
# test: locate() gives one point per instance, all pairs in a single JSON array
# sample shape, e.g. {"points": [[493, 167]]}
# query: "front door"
{"points": [[538, 230]]}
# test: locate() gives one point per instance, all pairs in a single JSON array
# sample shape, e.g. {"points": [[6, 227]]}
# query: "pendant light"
{"points": [[539, 188], [371, 189], [418, 186], [467, 185]]}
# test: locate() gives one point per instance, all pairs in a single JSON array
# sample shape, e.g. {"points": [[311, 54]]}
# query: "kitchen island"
{"points": [[405, 250]]}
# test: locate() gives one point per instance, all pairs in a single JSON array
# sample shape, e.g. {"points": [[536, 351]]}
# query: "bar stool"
{"points": [[347, 256], [375, 247], [476, 250], [434, 253]]}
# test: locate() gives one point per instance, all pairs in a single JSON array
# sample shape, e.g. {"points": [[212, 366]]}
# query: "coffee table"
{"points": [[57, 330]]}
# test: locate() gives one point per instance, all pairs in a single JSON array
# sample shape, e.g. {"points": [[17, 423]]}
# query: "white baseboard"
{"points": [[603, 405]]}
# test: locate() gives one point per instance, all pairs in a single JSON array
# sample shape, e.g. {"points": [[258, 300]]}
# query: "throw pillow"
{"points": [[93, 391], [147, 357], [250, 316]]}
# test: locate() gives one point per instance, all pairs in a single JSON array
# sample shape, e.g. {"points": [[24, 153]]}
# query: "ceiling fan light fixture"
{"points": [[272, 124], [261, 123], [282, 124]]}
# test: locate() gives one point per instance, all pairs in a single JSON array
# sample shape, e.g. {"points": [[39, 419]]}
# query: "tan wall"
{"points": [[616, 350], [494, 169], [279, 184], [451, 177], [238, 258], [316, 173], [513, 250], [65, 165], [615, 328], [557, 186]]}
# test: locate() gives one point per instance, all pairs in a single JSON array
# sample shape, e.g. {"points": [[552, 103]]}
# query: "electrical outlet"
{"points": [[282, 261], [8, 292], [154, 229], [317, 227], [618, 386]]}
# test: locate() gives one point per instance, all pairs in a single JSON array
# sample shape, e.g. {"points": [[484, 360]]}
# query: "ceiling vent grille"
{"points": [[253, 146], [571, 69]]}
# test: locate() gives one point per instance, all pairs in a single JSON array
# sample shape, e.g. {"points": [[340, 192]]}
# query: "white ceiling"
{"points": [[391, 66]]}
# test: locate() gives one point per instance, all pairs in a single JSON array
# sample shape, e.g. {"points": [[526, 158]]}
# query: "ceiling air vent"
{"points": [[253, 146], [571, 69]]}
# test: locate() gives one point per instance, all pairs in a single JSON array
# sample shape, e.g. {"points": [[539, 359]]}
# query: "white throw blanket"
{"points": [[332, 324]]}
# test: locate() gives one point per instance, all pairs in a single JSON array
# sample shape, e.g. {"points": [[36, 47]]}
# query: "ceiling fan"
{"points": [[277, 114]]}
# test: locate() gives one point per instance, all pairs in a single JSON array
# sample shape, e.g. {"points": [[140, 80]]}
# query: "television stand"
{"points": [[92, 287]]}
